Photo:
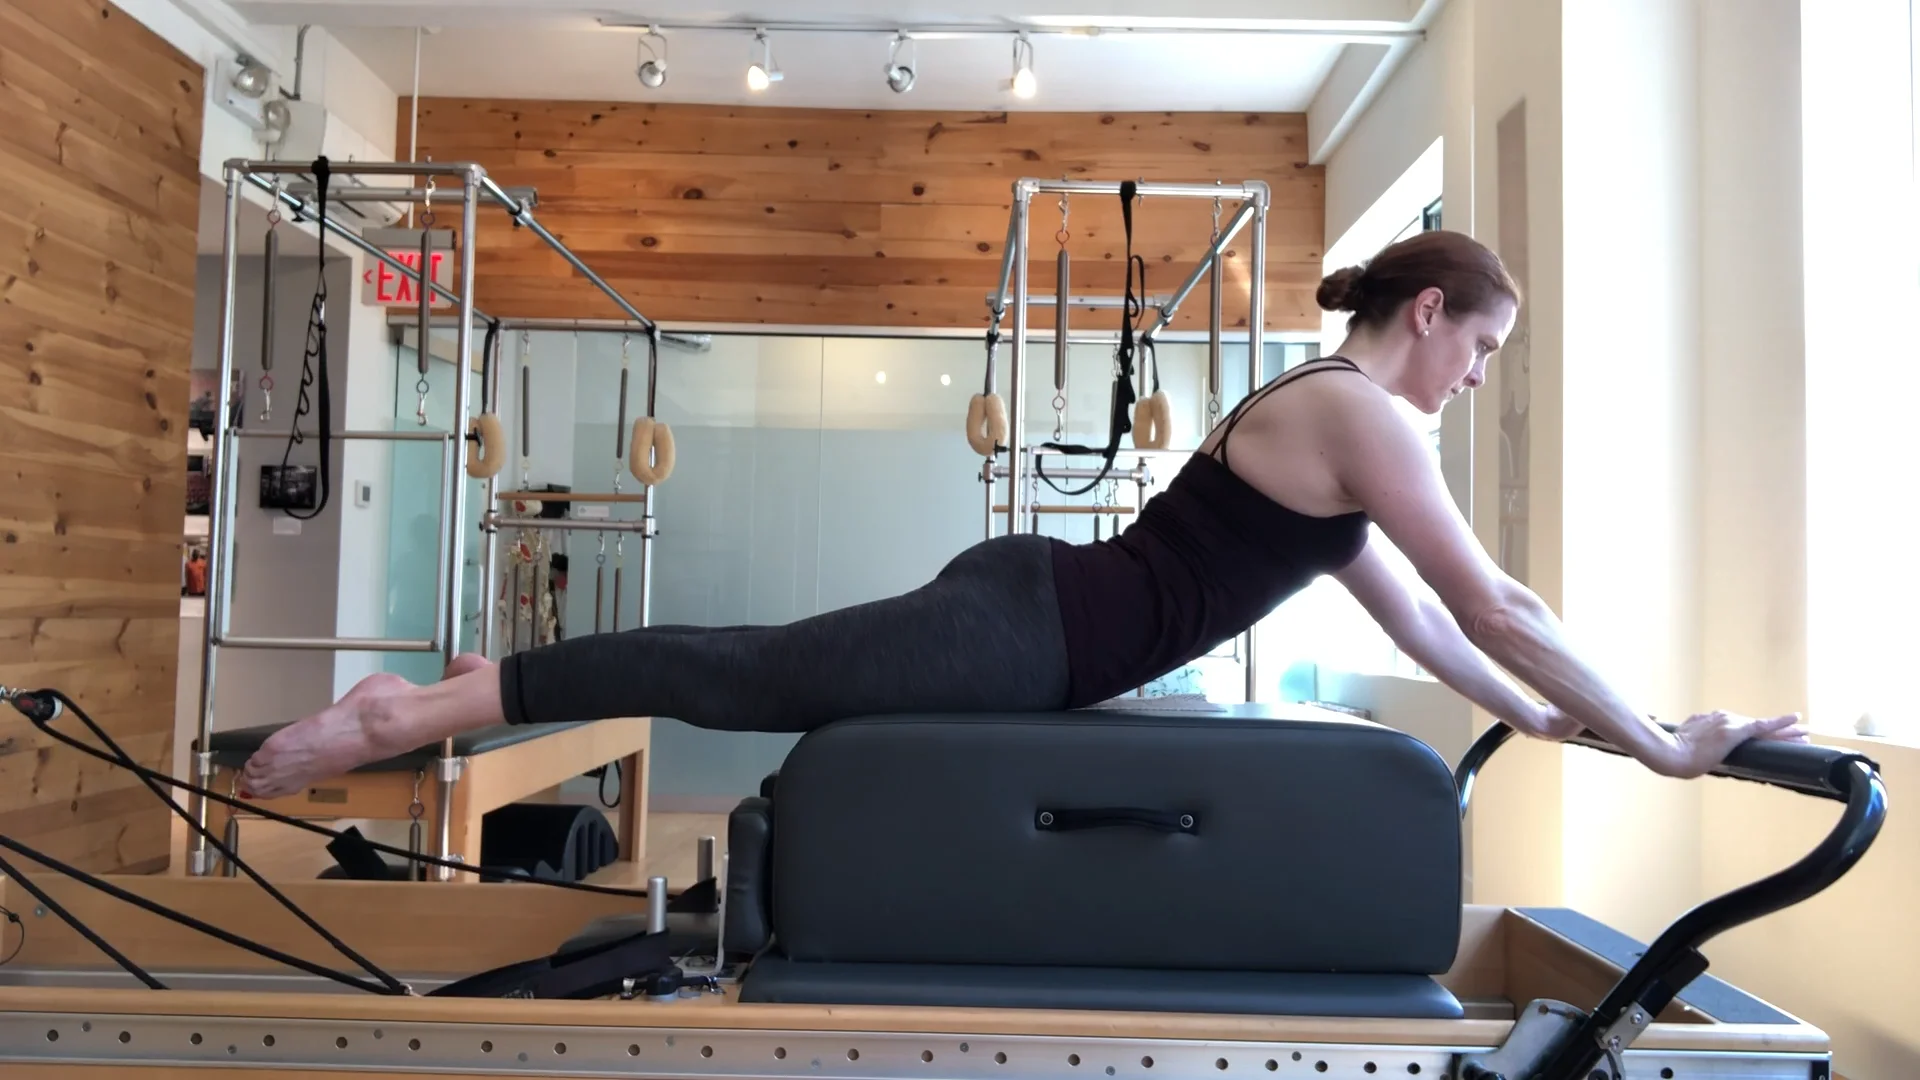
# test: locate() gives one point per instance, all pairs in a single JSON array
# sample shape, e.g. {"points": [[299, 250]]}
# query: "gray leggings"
{"points": [[983, 636]]}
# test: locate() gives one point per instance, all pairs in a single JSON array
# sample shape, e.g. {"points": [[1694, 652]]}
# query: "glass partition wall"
{"points": [[812, 472]]}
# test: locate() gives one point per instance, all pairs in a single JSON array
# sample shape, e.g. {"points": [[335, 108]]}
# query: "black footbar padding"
{"points": [[1313, 846], [749, 838], [776, 980]]}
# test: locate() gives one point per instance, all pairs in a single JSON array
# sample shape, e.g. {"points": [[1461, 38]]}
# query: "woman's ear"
{"points": [[1425, 309]]}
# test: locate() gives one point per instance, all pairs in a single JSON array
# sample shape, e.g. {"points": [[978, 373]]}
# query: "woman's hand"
{"points": [[1555, 725], [1705, 739]]}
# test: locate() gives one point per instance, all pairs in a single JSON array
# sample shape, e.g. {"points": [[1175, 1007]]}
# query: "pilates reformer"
{"points": [[927, 925], [306, 189], [1138, 404]]}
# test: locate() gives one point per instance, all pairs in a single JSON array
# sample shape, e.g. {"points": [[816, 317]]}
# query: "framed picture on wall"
{"points": [[199, 485], [203, 397]]}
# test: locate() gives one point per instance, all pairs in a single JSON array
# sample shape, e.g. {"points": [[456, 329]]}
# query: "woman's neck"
{"points": [[1381, 359]]}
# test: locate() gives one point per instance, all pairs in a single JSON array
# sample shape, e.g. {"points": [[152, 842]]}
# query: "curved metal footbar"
{"points": [[1674, 959]]}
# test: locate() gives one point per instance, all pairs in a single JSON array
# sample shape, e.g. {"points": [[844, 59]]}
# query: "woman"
{"points": [[1284, 490]]}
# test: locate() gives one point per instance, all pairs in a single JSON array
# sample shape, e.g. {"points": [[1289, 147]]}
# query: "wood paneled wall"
{"points": [[99, 193], [834, 218]]}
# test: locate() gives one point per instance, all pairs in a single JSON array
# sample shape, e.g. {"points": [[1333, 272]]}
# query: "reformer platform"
{"points": [[1510, 993], [504, 764]]}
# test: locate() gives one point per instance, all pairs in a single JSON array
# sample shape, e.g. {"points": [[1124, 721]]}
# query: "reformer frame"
{"points": [[1547, 994], [1253, 198], [474, 186]]}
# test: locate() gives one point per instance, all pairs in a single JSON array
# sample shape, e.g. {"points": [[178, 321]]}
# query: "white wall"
{"points": [[1630, 446]]}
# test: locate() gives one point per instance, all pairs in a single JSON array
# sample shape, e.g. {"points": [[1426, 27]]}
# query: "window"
{"points": [[1324, 628], [1860, 190]]}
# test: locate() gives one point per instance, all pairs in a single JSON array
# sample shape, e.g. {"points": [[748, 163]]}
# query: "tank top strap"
{"points": [[1318, 364]]}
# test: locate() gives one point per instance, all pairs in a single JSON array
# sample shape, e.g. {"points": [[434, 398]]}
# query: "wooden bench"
{"points": [[501, 765]]}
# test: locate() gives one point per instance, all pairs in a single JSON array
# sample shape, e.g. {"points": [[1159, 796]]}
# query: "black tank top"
{"points": [[1208, 556]]}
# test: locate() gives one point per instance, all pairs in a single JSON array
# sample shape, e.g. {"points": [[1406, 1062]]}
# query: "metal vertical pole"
{"points": [[489, 548], [1256, 335], [456, 500], [1016, 381], [649, 490], [219, 532], [987, 482]]}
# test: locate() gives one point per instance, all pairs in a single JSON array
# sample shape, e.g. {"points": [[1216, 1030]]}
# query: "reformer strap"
{"points": [[591, 972], [1120, 420]]}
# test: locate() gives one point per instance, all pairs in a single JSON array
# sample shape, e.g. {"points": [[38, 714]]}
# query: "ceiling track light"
{"points": [[762, 73], [652, 71], [1023, 84], [900, 75]]}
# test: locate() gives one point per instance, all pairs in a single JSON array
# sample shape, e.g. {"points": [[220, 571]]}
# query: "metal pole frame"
{"points": [[1256, 198], [1256, 349], [1201, 269], [1016, 374], [455, 509], [447, 606], [489, 534], [218, 531]]}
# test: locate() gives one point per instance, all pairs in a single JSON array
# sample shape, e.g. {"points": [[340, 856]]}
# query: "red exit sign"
{"points": [[385, 285]]}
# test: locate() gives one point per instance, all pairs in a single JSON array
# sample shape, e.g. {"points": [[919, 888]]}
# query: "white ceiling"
{"points": [[1145, 55]]}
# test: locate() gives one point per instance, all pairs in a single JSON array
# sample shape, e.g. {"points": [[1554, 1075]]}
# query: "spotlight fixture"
{"points": [[899, 75], [252, 78], [652, 71], [762, 74], [1023, 81]]}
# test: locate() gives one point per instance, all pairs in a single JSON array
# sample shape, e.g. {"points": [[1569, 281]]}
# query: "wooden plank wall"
{"points": [[99, 193], [850, 218]]}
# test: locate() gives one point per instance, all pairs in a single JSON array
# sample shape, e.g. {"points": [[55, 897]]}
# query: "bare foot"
{"points": [[338, 739], [464, 663]]}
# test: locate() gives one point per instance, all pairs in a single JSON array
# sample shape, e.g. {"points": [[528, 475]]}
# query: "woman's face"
{"points": [[1450, 354]]}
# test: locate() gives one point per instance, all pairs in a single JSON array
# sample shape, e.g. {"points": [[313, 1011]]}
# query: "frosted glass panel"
{"points": [[413, 552]]}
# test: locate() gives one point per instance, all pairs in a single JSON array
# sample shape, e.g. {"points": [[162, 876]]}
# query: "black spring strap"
{"points": [[316, 356], [1120, 418]]}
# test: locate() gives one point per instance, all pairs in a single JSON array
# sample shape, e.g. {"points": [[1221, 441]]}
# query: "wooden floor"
{"points": [[283, 853]]}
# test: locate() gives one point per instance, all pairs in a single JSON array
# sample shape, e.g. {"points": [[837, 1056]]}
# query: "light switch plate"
{"points": [[286, 526], [362, 493]]}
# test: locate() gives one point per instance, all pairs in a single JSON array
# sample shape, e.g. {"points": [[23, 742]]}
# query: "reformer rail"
{"points": [[1254, 198], [304, 199]]}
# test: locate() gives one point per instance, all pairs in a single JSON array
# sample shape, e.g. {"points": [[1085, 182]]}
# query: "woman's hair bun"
{"points": [[1340, 290]]}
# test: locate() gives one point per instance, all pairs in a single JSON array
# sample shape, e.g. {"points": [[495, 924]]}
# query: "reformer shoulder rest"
{"points": [[1265, 860]]}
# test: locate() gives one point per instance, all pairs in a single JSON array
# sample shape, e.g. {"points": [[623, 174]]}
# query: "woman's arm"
{"points": [[1383, 465], [1427, 632]]}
